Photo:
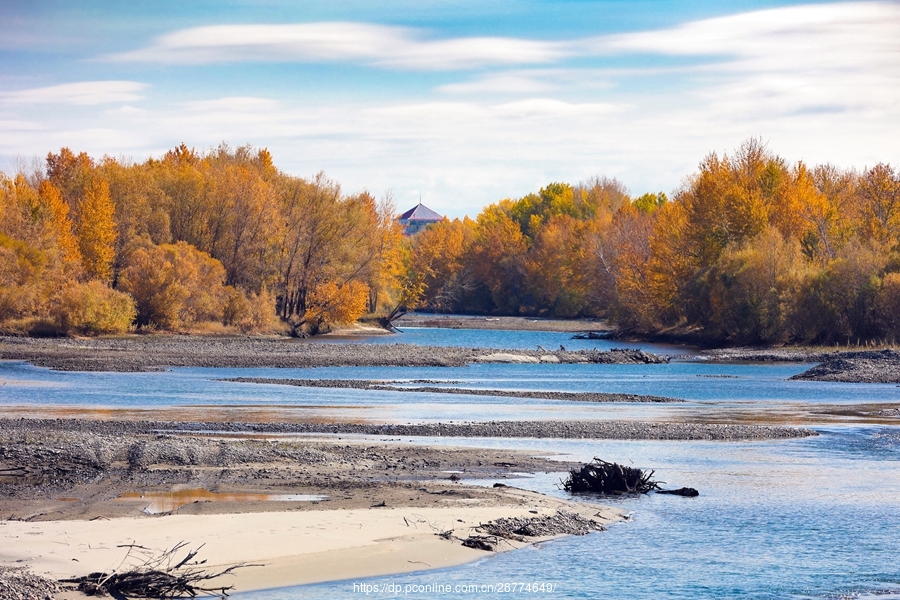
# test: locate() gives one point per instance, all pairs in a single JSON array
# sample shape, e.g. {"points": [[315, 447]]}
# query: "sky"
{"points": [[460, 104]]}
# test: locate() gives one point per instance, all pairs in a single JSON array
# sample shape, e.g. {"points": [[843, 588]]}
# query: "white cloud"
{"points": [[81, 93], [378, 45], [809, 58], [501, 83], [233, 103], [817, 82]]}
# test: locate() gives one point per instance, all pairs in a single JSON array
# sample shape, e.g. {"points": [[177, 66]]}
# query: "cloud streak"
{"points": [[82, 93], [838, 35], [363, 43]]}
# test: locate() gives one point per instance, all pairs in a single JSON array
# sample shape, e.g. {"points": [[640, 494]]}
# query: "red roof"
{"points": [[420, 213]]}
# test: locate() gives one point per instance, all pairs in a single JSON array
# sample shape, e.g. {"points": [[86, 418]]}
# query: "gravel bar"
{"points": [[156, 352], [598, 430], [18, 583], [399, 386], [876, 366]]}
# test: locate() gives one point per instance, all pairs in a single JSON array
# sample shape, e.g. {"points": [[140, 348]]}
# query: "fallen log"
{"points": [[603, 477], [685, 491]]}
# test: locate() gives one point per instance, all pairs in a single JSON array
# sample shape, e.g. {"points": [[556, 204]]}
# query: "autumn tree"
{"points": [[61, 224], [496, 259], [328, 238], [93, 307], [880, 195], [174, 285], [754, 289], [71, 174], [437, 276], [244, 227], [96, 230], [333, 304], [554, 275]]}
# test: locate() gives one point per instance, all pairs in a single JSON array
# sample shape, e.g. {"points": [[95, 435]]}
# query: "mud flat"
{"points": [[155, 352]]}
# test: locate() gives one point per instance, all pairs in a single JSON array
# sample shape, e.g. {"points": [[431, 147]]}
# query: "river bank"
{"points": [[308, 509]]}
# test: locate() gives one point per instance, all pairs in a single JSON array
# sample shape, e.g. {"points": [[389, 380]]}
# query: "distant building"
{"points": [[418, 218]]}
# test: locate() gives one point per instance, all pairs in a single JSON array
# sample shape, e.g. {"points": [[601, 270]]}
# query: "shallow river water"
{"points": [[814, 517]]}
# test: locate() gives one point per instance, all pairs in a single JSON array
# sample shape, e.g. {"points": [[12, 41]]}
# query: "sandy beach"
{"points": [[291, 548]]}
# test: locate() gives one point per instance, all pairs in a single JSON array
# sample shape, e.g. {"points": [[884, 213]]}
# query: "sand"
{"points": [[292, 548]]}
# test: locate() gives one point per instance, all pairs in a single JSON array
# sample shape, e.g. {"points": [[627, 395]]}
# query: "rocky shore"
{"points": [[156, 352], [417, 386]]}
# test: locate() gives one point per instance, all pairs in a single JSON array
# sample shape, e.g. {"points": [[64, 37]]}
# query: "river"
{"points": [[815, 517]]}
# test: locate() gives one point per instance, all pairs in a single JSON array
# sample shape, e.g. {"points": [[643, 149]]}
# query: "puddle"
{"points": [[164, 502]]}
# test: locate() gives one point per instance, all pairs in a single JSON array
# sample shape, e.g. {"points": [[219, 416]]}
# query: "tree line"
{"points": [[191, 238], [749, 249]]}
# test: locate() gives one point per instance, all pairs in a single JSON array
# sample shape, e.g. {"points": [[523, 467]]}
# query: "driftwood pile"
{"points": [[604, 477], [561, 523], [519, 529], [160, 576]]}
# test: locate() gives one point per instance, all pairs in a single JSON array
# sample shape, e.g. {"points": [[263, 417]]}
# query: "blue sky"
{"points": [[463, 103]]}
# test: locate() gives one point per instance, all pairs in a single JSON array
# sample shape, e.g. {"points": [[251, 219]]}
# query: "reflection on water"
{"points": [[166, 502]]}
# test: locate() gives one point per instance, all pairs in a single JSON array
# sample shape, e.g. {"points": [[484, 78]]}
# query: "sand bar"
{"points": [[294, 547]]}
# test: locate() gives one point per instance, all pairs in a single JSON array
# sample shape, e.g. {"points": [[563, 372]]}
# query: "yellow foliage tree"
{"points": [[435, 269], [554, 276], [96, 229], [497, 258], [174, 285]]}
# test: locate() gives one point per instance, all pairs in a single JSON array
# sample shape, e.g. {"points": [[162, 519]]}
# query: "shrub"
{"points": [[174, 285], [93, 308]]}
